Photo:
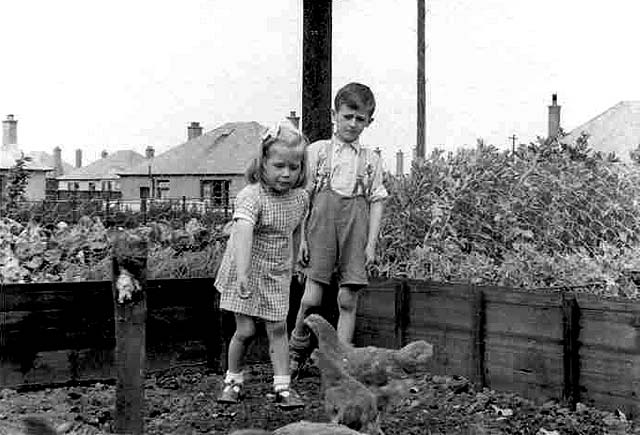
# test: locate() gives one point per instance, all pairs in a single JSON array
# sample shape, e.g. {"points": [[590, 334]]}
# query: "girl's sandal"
{"points": [[288, 399], [231, 394]]}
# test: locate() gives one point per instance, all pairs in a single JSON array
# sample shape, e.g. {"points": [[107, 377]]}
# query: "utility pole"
{"points": [[421, 91], [316, 69], [513, 143]]}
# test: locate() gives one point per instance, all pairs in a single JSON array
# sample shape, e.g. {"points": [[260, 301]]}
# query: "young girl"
{"points": [[256, 270]]}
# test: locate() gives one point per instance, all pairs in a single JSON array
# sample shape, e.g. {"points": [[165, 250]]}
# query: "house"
{"points": [[10, 152], [616, 130], [101, 175], [208, 166], [42, 158]]}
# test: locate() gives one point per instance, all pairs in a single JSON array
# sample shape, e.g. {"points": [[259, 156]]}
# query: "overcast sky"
{"points": [[124, 74]]}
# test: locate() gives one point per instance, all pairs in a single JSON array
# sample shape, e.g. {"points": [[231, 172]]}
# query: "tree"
{"points": [[17, 180]]}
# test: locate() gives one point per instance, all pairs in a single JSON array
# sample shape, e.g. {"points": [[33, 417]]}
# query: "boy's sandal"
{"points": [[289, 399], [231, 394]]}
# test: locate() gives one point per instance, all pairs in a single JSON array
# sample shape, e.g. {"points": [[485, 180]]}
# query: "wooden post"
{"points": [[571, 348], [129, 261], [316, 69], [402, 312], [478, 332]]}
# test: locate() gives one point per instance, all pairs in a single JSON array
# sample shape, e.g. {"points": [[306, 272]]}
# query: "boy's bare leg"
{"points": [[312, 297], [301, 336], [347, 304]]}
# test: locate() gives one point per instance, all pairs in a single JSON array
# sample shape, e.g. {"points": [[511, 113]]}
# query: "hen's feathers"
{"points": [[346, 400]]}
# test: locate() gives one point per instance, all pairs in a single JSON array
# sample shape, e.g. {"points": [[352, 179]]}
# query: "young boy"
{"points": [[345, 182]]}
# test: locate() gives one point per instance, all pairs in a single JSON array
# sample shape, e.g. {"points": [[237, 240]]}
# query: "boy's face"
{"points": [[350, 122]]}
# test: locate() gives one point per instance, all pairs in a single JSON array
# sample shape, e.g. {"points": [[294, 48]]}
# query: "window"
{"points": [[92, 186], [162, 188], [106, 186], [215, 190], [73, 186]]}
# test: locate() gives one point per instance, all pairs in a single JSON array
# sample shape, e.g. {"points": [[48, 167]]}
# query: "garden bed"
{"points": [[182, 401]]}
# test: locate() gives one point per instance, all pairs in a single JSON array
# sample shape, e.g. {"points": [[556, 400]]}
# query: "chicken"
{"points": [[370, 365], [346, 400], [384, 371]]}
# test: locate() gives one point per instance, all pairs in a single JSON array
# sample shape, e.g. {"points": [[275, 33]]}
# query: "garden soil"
{"points": [[182, 401]]}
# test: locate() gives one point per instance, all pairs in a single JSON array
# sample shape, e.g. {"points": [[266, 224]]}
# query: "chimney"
{"points": [[554, 117], [9, 131], [104, 154], [149, 152], [194, 130], [58, 170], [399, 163], [78, 158], [293, 119]]}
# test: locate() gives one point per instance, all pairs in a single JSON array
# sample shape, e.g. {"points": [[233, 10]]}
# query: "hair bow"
{"points": [[271, 133]]}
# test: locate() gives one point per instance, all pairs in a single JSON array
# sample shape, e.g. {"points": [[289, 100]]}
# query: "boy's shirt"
{"points": [[344, 167]]}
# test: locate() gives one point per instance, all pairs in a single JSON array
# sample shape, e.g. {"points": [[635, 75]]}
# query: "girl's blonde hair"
{"points": [[286, 134]]}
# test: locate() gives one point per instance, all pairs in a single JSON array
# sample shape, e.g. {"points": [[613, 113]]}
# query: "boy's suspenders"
{"points": [[363, 168]]}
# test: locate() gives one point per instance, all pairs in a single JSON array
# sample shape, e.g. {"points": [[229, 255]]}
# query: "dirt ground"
{"points": [[182, 401]]}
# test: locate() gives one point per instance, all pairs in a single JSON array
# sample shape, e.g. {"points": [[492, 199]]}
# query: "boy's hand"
{"points": [[243, 288], [303, 253], [369, 254]]}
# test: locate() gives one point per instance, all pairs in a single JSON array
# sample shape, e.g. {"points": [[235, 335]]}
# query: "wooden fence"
{"points": [[540, 344]]}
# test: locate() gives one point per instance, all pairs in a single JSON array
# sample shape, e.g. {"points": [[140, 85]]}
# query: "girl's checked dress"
{"points": [[274, 216]]}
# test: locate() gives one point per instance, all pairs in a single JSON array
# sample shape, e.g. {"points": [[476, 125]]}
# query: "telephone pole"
{"points": [[316, 69], [421, 88]]}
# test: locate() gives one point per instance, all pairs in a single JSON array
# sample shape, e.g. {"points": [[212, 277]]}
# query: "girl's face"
{"points": [[282, 166]]}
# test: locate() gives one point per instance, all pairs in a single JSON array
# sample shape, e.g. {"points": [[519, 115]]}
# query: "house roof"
{"points": [[615, 130], [10, 153], [45, 159], [107, 167], [225, 150]]}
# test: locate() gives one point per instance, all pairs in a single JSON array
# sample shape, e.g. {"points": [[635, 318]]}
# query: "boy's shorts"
{"points": [[337, 236]]}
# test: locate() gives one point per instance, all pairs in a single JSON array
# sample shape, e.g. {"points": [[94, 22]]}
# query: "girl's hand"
{"points": [[303, 253], [243, 288], [369, 254]]}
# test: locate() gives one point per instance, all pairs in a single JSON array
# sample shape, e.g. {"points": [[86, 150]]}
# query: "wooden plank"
{"points": [[588, 302], [59, 366], [437, 288], [377, 302], [437, 308], [518, 362], [605, 372], [537, 320], [618, 331]]}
